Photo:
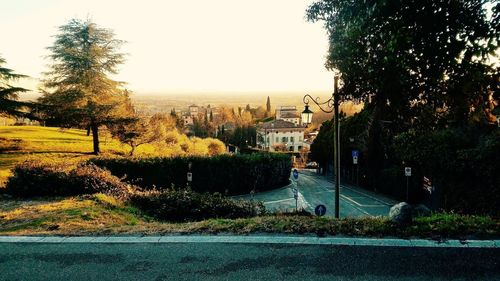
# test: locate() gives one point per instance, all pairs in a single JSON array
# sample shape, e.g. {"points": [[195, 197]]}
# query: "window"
{"points": [[300, 138], [277, 139], [284, 139], [291, 139]]}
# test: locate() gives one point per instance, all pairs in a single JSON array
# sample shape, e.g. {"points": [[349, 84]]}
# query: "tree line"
{"points": [[427, 74]]}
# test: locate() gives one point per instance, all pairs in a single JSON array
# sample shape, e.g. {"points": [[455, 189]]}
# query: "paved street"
{"points": [[243, 261], [314, 189]]}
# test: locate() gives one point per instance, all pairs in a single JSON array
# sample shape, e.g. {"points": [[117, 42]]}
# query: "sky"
{"points": [[182, 45]]}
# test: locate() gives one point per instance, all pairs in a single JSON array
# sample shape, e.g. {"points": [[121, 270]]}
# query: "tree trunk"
{"points": [[88, 131], [95, 138], [132, 150]]}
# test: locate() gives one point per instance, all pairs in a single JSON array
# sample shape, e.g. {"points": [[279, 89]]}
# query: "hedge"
{"points": [[31, 179], [187, 205], [226, 174]]}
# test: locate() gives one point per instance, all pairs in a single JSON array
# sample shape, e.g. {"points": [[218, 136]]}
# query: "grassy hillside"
{"points": [[18, 143]]}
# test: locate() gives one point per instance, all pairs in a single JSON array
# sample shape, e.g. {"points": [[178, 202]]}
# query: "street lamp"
{"points": [[307, 115], [332, 105]]}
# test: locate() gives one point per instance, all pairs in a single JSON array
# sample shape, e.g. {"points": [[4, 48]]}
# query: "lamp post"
{"points": [[332, 105]]}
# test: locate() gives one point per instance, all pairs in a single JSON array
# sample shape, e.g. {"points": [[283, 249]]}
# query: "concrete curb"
{"points": [[298, 240]]}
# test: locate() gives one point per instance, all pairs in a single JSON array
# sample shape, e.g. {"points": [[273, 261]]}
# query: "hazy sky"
{"points": [[183, 45]]}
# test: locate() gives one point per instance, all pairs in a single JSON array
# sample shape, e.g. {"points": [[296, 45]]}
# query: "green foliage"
{"points": [[31, 179], [412, 57], [186, 205], [243, 136], [9, 95], [463, 164], [78, 90], [226, 174]]}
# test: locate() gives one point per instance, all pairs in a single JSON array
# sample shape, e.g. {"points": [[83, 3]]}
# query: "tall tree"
{"points": [[9, 95], [268, 105], [409, 57], [77, 89]]}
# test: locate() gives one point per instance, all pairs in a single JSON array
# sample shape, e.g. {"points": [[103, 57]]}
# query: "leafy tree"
{"points": [[416, 64], [141, 131], [414, 56], [9, 95], [243, 136], [78, 90]]}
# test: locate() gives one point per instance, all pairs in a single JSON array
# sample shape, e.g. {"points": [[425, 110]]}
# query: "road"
{"points": [[240, 261], [315, 189]]}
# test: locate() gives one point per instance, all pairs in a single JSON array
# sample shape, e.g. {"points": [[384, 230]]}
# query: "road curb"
{"points": [[298, 240]]}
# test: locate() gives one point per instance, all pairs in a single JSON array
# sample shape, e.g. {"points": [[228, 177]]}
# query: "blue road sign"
{"points": [[295, 174], [355, 153], [320, 210]]}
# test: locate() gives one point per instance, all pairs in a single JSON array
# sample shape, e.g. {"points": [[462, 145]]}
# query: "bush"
{"points": [[36, 179], [463, 164], [227, 174], [186, 205]]}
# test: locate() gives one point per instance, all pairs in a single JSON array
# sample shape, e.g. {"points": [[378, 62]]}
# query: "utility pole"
{"points": [[336, 146]]}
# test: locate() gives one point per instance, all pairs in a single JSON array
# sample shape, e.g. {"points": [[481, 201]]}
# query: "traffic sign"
{"points": [[295, 174], [355, 153], [320, 210], [355, 160], [408, 171], [190, 176]]}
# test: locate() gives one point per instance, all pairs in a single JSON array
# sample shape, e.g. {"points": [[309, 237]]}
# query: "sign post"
{"points": [[408, 175], [296, 197], [355, 155], [189, 175]]}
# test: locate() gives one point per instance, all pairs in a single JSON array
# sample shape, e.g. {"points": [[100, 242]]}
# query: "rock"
{"points": [[421, 211], [401, 213]]}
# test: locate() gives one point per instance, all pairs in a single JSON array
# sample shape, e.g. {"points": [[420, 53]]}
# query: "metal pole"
{"points": [[336, 146], [407, 189], [357, 175]]}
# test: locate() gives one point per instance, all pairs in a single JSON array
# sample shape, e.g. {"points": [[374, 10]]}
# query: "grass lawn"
{"points": [[52, 144], [101, 215]]}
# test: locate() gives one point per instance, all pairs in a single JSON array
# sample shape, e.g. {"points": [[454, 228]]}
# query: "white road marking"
{"points": [[278, 201]]}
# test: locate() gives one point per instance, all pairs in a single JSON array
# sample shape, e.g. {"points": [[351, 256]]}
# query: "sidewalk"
{"points": [[256, 239]]}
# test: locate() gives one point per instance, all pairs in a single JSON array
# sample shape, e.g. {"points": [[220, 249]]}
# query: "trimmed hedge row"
{"points": [[226, 174], [187, 205], [31, 179]]}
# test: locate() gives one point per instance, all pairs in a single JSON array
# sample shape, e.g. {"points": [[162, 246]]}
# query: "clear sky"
{"points": [[182, 45]]}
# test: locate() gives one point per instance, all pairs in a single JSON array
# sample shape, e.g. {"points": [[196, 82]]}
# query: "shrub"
{"points": [[36, 179], [227, 174], [463, 164], [10, 145], [187, 205]]}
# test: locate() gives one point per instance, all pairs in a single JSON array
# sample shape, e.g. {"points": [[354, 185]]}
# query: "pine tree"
{"points": [[9, 95], [268, 105], [77, 89]]}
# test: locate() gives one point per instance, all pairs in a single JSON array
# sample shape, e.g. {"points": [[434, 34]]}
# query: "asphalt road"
{"points": [[315, 189], [220, 261]]}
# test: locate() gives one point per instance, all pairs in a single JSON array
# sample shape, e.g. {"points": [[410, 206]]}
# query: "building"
{"points": [[193, 110], [289, 114], [188, 119], [280, 135]]}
